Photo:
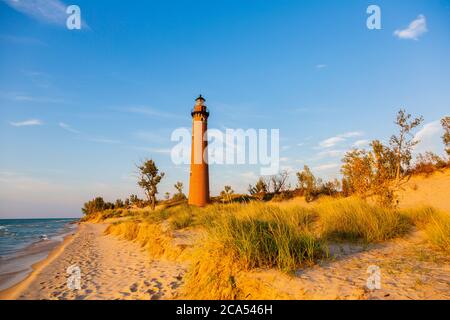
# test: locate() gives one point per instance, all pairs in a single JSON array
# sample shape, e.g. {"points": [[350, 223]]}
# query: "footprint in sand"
{"points": [[134, 287]]}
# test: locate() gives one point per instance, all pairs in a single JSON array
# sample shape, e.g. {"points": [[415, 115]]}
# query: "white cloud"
{"points": [[152, 112], [66, 127], [330, 154], [31, 122], [21, 97], [21, 40], [153, 150], [321, 66], [429, 138], [249, 176], [415, 29], [351, 134], [151, 136], [325, 167], [331, 142], [103, 140], [48, 11], [87, 137], [361, 143]]}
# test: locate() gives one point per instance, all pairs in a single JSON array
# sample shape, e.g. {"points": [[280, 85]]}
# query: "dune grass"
{"points": [[239, 238], [435, 223], [353, 219], [151, 236], [266, 236]]}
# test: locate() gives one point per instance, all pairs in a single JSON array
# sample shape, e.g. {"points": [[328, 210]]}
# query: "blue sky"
{"points": [[79, 108]]}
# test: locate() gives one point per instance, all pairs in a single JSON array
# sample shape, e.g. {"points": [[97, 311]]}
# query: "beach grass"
{"points": [[239, 238]]}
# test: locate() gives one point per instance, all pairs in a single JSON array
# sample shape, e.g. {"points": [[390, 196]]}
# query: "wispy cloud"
{"points": [[333, 141], [330, 154], [429, 138], [87, 137], [325, 167], [48, 11], [153, 150], [361, 143], [321, 66], [151, 136], [66, 127], [147, 111], [104, 140], [22, 97], [415, 29], [27, 123], [22, 40]]}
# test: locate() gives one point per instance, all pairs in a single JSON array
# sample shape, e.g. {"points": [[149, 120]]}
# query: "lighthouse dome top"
{"points": [[200, 97]]}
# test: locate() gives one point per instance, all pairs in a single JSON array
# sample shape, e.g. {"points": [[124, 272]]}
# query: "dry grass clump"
{"points": [[355, 219], [217, 275], [266, 236], [149, 235], [256, 236], [435, 223]]}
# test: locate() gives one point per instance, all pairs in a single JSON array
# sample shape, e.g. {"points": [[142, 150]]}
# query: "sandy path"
{"points": [[410, 269], [110, 269]]}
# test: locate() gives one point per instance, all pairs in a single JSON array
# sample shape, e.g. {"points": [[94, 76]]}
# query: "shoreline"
{"points": [[110, 268], [13, 292]]}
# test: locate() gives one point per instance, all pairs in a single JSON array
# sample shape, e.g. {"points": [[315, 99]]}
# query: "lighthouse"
{"points": [[199, 175]]}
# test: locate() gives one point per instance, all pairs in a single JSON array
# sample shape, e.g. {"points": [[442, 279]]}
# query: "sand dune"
{"points": [[432, 191], [409, 270], [110, 269]]}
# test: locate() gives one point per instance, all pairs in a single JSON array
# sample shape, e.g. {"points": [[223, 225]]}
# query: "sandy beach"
{"points": [[110, 269], [120, 269]]}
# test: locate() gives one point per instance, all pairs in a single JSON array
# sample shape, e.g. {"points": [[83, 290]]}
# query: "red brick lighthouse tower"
{"points": [[199, 176]]}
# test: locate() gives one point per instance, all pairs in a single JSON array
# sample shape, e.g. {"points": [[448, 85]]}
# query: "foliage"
{"points": [[149, 180], [96, 205], [226, 194], [446, 136], [260, 188], [403, 143], [428, 163]]}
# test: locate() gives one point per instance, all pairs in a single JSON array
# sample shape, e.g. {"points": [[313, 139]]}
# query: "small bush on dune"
{"points": [[181, 220], [354, 219]]}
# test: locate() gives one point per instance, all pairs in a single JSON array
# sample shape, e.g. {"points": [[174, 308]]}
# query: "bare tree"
{"points": [[279, 181], [179, 187]]}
